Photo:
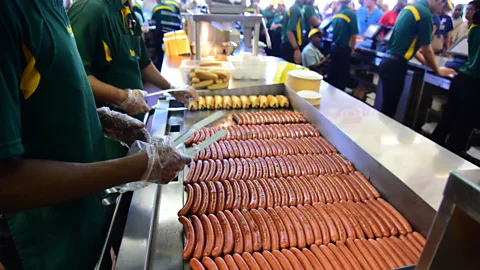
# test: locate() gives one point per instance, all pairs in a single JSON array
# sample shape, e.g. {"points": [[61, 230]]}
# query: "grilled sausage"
{"points": [[261, 261], [199, 237], [205, 199], [212, 201], [274, 234], [219, 236], [245, 228], [263, 228], [197, 191], [292, 237], [237, 232], [227, 232], [256, 238], [190, 238], [188, 205], [196, 264]]}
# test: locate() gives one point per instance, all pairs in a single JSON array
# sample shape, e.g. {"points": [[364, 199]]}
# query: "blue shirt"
{"points": [[446, 25], [364, 19]]}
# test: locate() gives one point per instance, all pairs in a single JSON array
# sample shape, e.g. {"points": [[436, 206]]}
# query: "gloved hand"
{"points": [[135, 102], [164, 161], [190, 94], [121, 127]]}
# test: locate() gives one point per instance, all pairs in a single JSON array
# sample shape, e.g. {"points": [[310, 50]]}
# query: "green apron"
{"points": [[58, 122]]}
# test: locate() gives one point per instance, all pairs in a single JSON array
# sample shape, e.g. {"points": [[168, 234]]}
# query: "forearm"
{"points": [[419, 56], [448, 42], [292, 40], [27, 183], [314, 21], [352, 42], [429, 56], [151, 74], [105, 92]]}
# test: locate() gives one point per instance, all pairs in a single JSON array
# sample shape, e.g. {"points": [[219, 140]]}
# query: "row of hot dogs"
{"points": [[240, 132], [358, 254], [211, 197], [268, 167], [249, 231], [270, 117], [265, 148]]}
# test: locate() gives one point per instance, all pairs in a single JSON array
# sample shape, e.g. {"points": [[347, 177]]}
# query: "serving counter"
{"points": [[408, 170]]}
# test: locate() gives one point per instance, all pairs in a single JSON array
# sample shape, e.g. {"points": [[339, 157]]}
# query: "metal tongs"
{"points": [[165, 91], [204, 122]]}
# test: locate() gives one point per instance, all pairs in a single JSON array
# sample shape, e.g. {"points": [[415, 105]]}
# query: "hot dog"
{"points": [[209, 235], [410, 246], [275, 192], [239, 168], [391, 253], [245, 196], [321, 257], [261, 261], [221, 264], [292, 198], [317, 188], [253, 195], [190, 238], [359, 218], [262, 203], [283, 260], [263, 228], [292, 237], [197, 191], [381, 261], [230, 262], [188, 205], [366, 216], [292, 259], [307, 228], [367, 255], [396, 215], [282, 231], [268, 192], [274, 234], [325, 239], [331, 225], [312, 259], [205, 199], [199, 237], [252, 264], [339, 255], [382, 214], [414, 242], [256, 238], [317, 233], [357, 254], [233, 169], [242, 265], [220, 197], [401, 246], [334, 261], [229, 195], [400, 252], [196, 264], [236, 194], [299, 231], [237, 232], [212, 201], [304, 190], [219, 236], [349, 256], [227, 232], [245, 229], [283, 192], [344, 219], [205, 171], [302, 258], [272, 260], [218, 170]]}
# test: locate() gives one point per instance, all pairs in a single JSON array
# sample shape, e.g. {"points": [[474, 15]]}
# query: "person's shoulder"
{"points": [[378, 12], [90, 7]]}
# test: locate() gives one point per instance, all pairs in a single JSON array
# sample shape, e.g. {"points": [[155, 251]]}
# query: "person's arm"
{"points": [[27, 183], [419, 56], [352, 42], [151, 74], [430, 61], [105, 92], [292, 40]]}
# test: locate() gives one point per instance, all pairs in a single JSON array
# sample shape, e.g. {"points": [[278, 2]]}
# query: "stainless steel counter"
{"points": [[405, 166]]}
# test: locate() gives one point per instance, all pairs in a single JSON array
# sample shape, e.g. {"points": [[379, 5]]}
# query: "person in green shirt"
{"points": [[269, 13], [461, 112], [292, 33], [167, 18], [412, 36], [310, 15], [137, 8], [345, 32], [114, 55], [275, 29], [52, 156]]}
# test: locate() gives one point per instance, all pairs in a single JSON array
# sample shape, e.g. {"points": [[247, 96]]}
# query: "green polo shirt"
{"points": [[293, 21], [167, 17], [278, 19], [47, 112], [109, 40], [472, 66], [344, 25], [308, 12], [269, 15], [412, 30]]}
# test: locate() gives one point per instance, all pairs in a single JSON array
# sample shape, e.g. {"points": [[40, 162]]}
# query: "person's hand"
{"points": [[190, 94], [164, 161], [297, 57], [446, 72], [121, 127], [134, 103]]}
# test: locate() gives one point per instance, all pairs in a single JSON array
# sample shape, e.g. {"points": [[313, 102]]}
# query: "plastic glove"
{"points": [[135, 102], [187, 96], [164, 160], [121, 127]]}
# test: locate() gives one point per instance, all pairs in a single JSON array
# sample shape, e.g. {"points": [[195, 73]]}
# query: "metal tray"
{"points": [[161, 246]]}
